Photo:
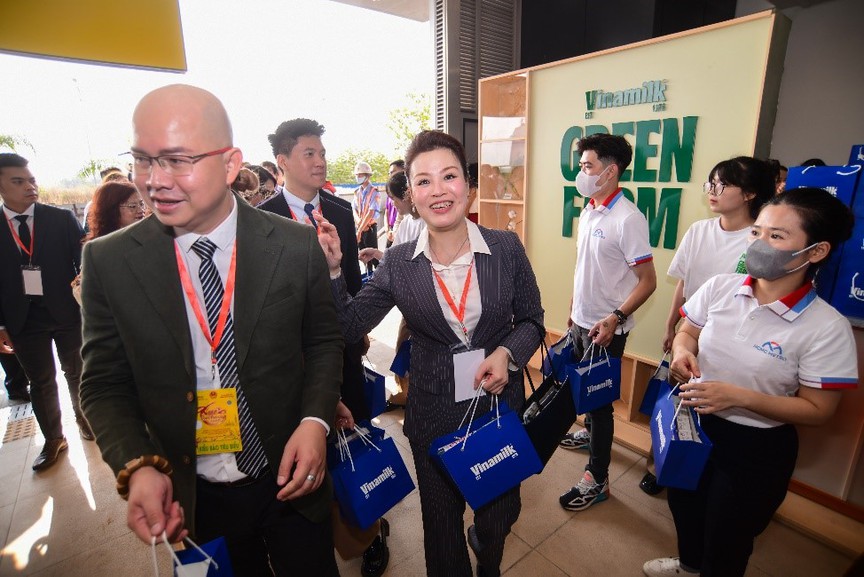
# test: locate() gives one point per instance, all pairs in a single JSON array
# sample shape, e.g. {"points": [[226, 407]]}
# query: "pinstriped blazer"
{"points": [[508, 293]]}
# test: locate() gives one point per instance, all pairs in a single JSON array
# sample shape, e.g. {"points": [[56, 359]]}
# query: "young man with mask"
{"points": [[614, 277], [367, 210]]}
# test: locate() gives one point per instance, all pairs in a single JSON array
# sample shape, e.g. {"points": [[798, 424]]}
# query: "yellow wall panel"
{"points": [[146, 34]]}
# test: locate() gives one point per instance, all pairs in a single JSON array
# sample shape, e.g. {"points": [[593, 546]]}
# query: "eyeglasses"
{"points": [[173, 164], [715, 189], [134, 205]]}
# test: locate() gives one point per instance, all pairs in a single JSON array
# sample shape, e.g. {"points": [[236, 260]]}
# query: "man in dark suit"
{"points": [[300, 155], [41, 255], [302, 159], [273, 351]]}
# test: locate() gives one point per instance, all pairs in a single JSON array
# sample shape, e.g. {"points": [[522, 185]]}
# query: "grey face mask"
{"points": [[769, 263]]}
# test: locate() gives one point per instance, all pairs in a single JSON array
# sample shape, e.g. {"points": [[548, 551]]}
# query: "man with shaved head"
{"points": [[212, 353]]}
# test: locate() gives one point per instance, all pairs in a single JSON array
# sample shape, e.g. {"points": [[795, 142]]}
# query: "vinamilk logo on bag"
{"points": [[505, 452], [387, 473], [659, 420], [607, 384], [772, 349]]}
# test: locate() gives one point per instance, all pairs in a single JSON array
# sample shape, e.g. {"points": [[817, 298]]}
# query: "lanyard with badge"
{"points": [[217, 429], [466, 361], [30, 273]]}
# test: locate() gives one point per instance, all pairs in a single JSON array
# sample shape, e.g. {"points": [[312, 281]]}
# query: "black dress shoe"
{"points": [[19, 396], [84, 429], [50, 452], [377, 556], [649, 485]]}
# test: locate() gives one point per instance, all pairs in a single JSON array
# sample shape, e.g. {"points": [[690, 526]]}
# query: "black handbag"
{"points": [[549, 412]]}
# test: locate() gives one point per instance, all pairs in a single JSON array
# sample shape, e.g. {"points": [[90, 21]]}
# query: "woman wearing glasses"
{"points": [[116, 204], [758, 354], [736, 190]]}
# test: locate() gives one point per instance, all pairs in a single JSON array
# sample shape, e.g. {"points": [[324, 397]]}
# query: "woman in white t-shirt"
{"points": [[762, 353], [736, 189]]}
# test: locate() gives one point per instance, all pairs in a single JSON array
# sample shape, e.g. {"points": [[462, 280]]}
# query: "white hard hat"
{"points": [[362, 168]]}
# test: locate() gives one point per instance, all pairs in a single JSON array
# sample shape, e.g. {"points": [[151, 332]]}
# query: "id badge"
{"points": [[32, 276], [465, 366], [217, 429]]}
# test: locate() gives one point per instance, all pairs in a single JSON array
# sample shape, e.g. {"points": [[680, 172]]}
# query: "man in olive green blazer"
{"points": [[143, 355]]}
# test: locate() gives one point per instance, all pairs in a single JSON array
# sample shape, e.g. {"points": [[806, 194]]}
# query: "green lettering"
{"points": [[569, 162], [678, 149], [623, 129], [667, 211], [571, 212], [645, 150]]}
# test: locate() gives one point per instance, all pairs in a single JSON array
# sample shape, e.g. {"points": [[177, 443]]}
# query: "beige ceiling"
{"points": [[413, 9]]}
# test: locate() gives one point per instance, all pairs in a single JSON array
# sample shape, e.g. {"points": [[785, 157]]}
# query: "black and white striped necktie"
{"points": [[251, 460]]}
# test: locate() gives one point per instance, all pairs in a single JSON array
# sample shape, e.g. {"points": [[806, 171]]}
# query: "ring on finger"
{"points": [[310, 477]]}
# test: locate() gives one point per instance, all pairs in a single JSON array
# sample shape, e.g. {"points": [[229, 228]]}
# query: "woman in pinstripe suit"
{"points": [[460, 287]]}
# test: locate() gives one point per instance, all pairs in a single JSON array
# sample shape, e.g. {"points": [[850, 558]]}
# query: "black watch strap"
{"points": [[622, 318]]}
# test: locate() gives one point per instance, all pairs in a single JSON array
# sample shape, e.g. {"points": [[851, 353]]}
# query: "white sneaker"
{"points": [[664, 567]]}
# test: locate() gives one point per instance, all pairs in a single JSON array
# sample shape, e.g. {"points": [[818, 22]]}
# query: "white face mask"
{"points": [[586, 184], [361, 178]]}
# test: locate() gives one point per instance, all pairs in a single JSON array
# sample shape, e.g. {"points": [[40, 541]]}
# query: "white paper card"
{"points": [[465, 366], [32, 281]]}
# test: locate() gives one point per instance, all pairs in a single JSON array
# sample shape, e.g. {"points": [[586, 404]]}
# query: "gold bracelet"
{"points": [[159, 463]]}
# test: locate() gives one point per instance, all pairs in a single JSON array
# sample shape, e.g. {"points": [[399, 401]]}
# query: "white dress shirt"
{"points": [[222, 467]]}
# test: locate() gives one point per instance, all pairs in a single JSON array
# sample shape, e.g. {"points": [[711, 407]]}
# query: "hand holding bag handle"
{"points": [[207, 558]]}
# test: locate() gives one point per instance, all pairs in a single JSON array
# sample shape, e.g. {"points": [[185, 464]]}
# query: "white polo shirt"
{"points": [[707, 250], [612, 238], [772, 348]]}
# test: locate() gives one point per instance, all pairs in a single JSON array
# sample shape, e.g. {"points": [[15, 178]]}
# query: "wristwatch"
{"points": [[622, 318]]}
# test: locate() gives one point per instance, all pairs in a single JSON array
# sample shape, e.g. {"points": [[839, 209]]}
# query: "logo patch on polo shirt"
{"points": [[772, 349], [599, 233]]}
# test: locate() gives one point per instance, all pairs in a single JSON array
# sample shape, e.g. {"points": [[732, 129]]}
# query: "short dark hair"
{"points": [[429, 140], [752, 175], [813, 162], [12, 160], [398, 163], [398, 185], [289, 132], [824, 217], [608, 148]]}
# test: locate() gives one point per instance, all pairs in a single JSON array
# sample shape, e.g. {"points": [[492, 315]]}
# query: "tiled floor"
{"points": [[69, 521]]}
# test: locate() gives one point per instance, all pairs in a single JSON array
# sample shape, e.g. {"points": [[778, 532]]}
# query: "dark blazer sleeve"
{"points": [[109, 396], [360, 314]]}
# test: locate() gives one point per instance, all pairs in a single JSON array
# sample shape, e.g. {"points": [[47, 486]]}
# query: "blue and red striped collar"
{"points": [[789, 306], [607, 204]]}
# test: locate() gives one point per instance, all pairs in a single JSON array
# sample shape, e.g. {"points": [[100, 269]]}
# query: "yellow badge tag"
{"points": [[217, 429]]}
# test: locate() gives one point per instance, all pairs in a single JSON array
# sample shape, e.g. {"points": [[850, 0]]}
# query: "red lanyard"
{"points": [[28, 252], [196, 307], [460, 312]]}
